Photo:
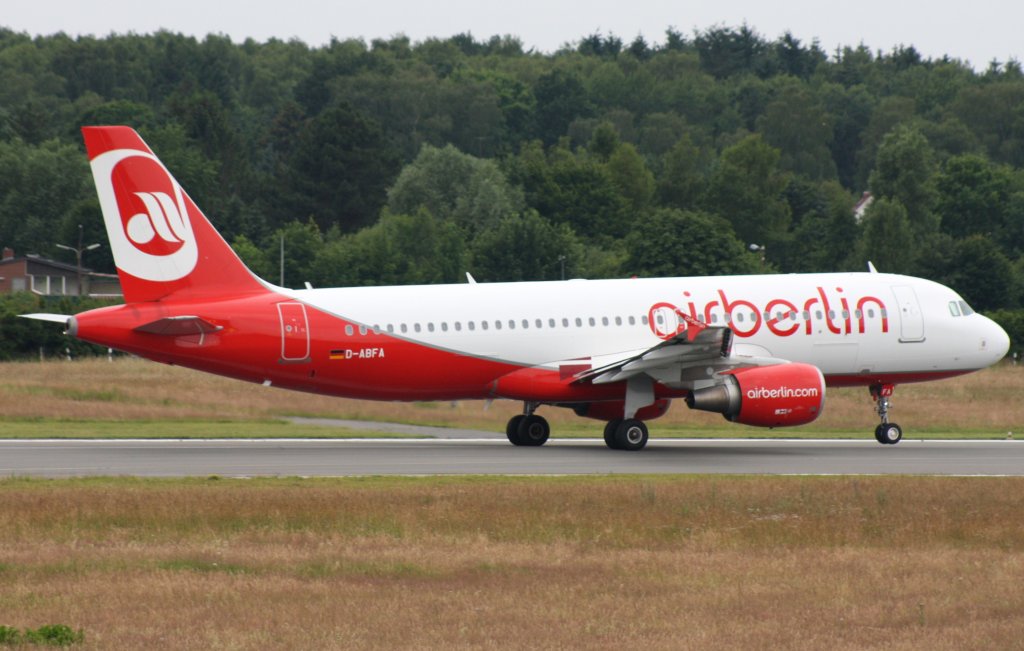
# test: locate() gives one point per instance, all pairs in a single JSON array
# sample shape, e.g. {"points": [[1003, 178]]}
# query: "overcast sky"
{"points": [[976, 31]]}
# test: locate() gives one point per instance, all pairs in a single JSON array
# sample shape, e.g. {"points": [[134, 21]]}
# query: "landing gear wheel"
{"points": [[609, 433], [512, 429], [533, 430], [889, 433], [631, 434]]}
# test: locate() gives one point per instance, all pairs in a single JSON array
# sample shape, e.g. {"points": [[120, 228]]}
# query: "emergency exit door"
{"points": [[294, 332]]}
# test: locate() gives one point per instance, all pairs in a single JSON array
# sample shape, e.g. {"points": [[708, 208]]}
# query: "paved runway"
{"points": [[247, 458]]}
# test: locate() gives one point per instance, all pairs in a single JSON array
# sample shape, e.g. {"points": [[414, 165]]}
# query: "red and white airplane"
{"points": [[758, 349]]}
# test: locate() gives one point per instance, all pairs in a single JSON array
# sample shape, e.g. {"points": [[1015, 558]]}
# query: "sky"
{"points": [[977, 31]]}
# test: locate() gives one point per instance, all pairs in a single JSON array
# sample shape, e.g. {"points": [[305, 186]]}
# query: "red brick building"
{"points": [[32, 273]]}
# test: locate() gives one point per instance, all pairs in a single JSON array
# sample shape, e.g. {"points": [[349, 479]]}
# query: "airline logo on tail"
{"points": [[146, 215]]}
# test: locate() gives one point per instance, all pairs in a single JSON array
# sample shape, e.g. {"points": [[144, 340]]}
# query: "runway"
{"points": [[250, 458]]}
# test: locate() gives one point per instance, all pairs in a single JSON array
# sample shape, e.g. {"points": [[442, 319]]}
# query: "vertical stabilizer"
{"points": [[162, 243]]}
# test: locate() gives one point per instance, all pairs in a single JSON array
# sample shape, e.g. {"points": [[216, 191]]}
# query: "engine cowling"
{"points": [[765, 396]]}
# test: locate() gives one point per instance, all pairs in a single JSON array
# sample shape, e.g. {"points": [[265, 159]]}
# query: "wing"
{"points": [[694, 346]]}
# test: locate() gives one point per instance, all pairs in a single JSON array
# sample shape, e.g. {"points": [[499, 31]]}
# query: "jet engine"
{"points": [[765, 396]]}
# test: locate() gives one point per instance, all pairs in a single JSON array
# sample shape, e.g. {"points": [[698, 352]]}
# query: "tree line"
{"points": [[399, 162]]}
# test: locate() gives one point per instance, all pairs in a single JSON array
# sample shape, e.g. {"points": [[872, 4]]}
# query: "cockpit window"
{"points": [[954, 308], [966, 309]]}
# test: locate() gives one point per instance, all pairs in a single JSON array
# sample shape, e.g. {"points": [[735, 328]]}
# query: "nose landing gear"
{"points": [[886, 433]]}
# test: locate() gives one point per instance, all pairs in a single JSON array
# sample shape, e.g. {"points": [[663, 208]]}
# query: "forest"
{"points": [[396, 162]]}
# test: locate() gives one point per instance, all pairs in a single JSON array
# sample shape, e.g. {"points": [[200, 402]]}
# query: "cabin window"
{"points": [[483, 325], [391, 328], [739, 317], [539, 323], [404, 328], [511, 324], [579, 322], [604, 320], [565, 322], [618, 320], [444, 326], [526, 324], [846, 314], [632, 320], [858, 314], [349, 331], [458, 326], [471, 325], [818, 315], [416, 327], [362, 330], [643, 319], [430, 327]]}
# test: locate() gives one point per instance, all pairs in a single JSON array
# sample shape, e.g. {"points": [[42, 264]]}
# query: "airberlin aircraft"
{"points": [[758, 349]]}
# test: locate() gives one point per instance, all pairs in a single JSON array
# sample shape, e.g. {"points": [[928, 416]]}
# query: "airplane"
{"points": [[759, 349]]}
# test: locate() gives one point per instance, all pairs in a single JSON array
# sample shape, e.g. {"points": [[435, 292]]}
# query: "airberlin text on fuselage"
{"points": [[840, 314]]}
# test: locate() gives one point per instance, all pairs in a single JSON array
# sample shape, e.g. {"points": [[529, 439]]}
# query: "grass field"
{"points": [[474, 563], [130, 397]]}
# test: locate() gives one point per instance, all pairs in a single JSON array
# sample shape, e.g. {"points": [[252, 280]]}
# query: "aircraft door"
{"points": [[294, 332], [911, 319]]}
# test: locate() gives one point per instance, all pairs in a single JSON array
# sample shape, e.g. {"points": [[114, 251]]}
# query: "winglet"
{"points": [[871, 267]]}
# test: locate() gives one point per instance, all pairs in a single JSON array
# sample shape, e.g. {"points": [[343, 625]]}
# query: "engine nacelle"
{"points": [[766, 396]]}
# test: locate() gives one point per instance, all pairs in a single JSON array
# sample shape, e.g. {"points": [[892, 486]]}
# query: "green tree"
{"points": [[527, 247], [887, 238], [631, 177], [339, 171], [905, 171], [670, 242], [746, 188], [796, 123], [397, 250], [973, 196], [451, 185]]}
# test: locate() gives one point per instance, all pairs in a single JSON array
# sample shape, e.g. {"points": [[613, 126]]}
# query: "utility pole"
{"points": [[79, 250]]}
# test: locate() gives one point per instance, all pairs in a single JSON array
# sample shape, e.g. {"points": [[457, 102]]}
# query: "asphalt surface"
{"points": [[246, 458]]}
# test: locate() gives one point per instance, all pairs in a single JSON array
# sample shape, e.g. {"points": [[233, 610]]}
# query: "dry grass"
{"points": [[986, 403], [678, 563]]}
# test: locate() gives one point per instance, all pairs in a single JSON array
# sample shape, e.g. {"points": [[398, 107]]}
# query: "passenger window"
{"points": [[526, 324], [604, 320], [884, 312], [497, 324], [579, 322], [846, 314], [643, 320], [362, 330], [511, 324], [539, 323], [565, 322], [430, 327], [404, 328], [807, 315], [349, 331], [391, 328], [592, 321], [551, 323], [739, 317], [632, 320], [871, 313], [471, 325], [831, 314], [444, 326], [818, 315], [416, 327], [458, 326], [618, 320]]}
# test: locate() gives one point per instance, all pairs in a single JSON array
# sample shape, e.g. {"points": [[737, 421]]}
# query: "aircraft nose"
{"points": [[995, 341]]}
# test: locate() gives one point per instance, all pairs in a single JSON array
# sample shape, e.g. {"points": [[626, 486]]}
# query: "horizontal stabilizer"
{"points": [[175, 326], [52, 318]]}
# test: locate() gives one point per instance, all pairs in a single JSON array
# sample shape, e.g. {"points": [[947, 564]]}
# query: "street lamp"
{"points": [[79, 250]]}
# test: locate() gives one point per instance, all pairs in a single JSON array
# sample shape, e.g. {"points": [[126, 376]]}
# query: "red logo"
{"points": [[149, 203]]}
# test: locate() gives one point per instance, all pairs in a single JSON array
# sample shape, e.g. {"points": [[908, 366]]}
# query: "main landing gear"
{"points": [[886, 433], [625, 434], [528, 429]]}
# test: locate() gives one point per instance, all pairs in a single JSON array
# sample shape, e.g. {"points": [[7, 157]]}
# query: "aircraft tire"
{"points": [[533, 430], [631, 434], [512, 429], [889, 433], [609, 433]]}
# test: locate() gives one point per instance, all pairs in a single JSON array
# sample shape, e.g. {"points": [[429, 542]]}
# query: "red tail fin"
{"points": [[162, 243]]}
